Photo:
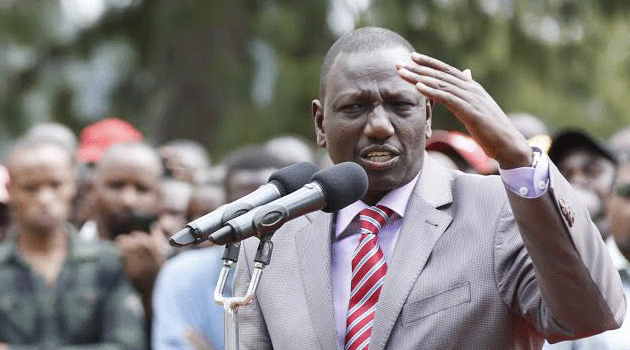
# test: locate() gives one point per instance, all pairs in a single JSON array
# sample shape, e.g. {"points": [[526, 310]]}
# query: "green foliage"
{"points": [[193, 71]]}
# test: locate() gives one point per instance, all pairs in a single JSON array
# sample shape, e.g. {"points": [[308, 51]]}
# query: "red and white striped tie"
{"points": [[368, 273]]}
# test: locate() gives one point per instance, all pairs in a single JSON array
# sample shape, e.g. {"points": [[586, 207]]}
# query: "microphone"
{"points": [[329, 190], [281, 182]]}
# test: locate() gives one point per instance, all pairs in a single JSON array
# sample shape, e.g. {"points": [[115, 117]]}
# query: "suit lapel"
{"points": [[314, 254], [422, 226]]}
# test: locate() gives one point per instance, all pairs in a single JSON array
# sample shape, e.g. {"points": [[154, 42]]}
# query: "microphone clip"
{"points": [[231, 304]]}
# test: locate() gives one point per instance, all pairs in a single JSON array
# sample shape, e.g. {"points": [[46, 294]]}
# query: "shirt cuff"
{"points": [[527, 181]]}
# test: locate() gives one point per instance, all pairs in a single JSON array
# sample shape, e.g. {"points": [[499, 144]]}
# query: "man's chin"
{"points": [[385, 181], [45, 227]]}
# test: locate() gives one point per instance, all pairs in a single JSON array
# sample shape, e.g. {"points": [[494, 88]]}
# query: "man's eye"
{"points": [[594, 169], [352, 107], [142, 189], [29, 188], [116, 185], [403, 105]]}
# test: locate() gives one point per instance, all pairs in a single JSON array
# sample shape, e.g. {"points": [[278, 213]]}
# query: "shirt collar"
{"points": [[395, 200], [76, 249]]}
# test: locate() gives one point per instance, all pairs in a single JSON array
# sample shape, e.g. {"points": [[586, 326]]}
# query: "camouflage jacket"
{"points": [[91, 306]]}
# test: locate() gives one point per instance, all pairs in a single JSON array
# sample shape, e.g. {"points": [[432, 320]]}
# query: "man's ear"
{"points": [[318, 118], [429, 114]]}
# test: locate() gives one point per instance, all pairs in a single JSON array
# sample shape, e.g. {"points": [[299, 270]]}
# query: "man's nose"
{"points": [[379, 125], [46, 195], [129, 196]]}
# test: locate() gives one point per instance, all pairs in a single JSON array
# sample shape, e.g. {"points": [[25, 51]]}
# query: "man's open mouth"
{"points": [[379, 156]]}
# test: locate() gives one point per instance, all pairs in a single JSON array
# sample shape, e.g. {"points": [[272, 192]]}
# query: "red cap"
{"points": [[465, 146], [97, 137]]}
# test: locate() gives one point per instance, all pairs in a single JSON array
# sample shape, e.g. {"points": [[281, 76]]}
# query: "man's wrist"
{"points": [[520, 160]]}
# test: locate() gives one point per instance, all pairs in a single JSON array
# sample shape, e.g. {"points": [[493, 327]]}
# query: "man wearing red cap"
{"points": [[97, 137]]}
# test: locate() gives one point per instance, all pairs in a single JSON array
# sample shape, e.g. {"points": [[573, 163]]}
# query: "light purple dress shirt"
{"points": [[527, 181]]}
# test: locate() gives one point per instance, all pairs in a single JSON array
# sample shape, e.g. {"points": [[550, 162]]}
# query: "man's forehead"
{"points": [[583, 152], [361, 70], [130, 162], [376, 61], [38, 157]]}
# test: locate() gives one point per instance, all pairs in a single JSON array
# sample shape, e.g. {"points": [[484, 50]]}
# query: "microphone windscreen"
{"points": [[344, 184], [294, 176]]}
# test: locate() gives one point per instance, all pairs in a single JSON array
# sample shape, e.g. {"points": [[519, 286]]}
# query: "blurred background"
{"points": [[233, 72]]}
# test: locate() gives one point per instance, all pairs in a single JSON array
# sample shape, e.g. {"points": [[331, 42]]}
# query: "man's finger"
{"points": [[453, 103], [413, 74], [431, 62], [468, 73], [446, 87]]}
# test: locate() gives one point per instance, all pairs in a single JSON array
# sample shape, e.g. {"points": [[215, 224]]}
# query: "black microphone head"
{"points": [[344, 184], [294, 176]]}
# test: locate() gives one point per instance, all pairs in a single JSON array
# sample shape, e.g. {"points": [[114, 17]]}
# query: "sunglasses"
{"points": [[623, 190]]}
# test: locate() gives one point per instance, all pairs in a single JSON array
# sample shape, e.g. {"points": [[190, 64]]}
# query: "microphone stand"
{"points": [[231, 304]]}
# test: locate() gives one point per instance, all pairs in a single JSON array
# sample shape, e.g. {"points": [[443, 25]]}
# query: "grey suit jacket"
{"points": [[476, 266]]}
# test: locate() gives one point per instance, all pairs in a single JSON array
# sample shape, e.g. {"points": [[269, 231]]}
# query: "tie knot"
{"points": [[373, 218]]}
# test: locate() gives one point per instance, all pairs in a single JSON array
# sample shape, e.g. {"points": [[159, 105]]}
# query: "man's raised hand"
{"points": [[472, 105]]}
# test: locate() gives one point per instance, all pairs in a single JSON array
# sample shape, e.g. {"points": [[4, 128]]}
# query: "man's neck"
{"points": [[102, 229], [45, 252], [41, 242]]}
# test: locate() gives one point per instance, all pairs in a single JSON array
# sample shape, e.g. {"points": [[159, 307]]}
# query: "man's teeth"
{"points": [[379, 156]]}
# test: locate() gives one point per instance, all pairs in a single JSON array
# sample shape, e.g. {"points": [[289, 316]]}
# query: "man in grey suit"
{"points": [[468, 261]]}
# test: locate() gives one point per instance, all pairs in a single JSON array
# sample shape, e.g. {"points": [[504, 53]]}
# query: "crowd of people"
{"points": [[85, 233], [85, 222]]}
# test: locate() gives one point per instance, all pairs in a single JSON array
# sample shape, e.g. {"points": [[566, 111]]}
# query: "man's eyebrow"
{"points": [[352, 95], [401, 93]]}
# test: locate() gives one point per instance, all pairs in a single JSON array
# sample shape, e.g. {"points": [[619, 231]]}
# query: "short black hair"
{"points": [[362, 40]]}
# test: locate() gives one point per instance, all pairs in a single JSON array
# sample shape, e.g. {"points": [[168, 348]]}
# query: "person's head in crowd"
{"points": [[204, 199], [247, 169], [42, 185], [619, 143], [390, 146], [590, 169], [184, 159], [97, 137], [211, 176], [534, 130], [619, 209], [127, 188], [54, 132], [292, 149], [457, 151], [174, 199], [528, 124]]}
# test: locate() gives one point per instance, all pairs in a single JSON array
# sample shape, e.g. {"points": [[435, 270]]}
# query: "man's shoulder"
{"points": [[193, 265], [6, 250], [103, 256], [478, 185], [99, 250]]}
